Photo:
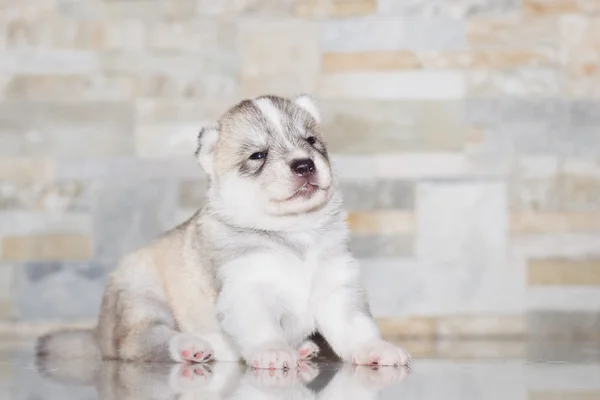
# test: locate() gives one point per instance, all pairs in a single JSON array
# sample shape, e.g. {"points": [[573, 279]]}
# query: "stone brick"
{"points": [[203, 74], [133, 211], [46, 61], [237, 7], [369, 61], [521, 82], [372, 194], [420, 327], [376, 126], [23, 223], [55, 196], [385, 33], [26, 170], [6, 289], [381, 222], [278, 51], [570, 245], [47, 87], [495, 58], [192, 194], [580, 45], [554, 222], [579, 194], [551, 272], [576, 298], [482, 326], [189, 36], [46, 247], [564, 394], [552, 7], [405, 85], [521, 126], [333, 8], [513, 30], [381, 245], [564, 325], [40, 290], [404, 287], [145, 10], [125, 169], [451, 8], [69, 129], [584, 122], [455, 216]]}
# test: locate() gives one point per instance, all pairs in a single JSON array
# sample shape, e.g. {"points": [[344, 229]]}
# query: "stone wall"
{"points": [[466, 133]]}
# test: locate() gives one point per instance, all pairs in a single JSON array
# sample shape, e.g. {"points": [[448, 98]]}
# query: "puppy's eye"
{"points": [[258, 156], [311, 140]]}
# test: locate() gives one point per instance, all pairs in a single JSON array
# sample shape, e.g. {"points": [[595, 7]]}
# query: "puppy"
{"points": [[262, 266]]}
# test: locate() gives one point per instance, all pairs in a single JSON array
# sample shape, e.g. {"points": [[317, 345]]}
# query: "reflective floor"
{"points": [[461, 370]]}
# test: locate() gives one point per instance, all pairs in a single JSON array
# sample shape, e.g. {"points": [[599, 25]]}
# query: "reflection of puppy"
{"points": [[262, 266], [222, 380]]}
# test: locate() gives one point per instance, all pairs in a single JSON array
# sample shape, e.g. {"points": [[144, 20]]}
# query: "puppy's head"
{"points": [[268, 163]]}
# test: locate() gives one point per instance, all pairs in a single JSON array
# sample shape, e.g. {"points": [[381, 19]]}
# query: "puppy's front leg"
{"points": [[248, 311], [346, 323]]}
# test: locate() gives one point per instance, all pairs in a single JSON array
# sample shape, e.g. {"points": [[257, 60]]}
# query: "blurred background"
{"points": [[466, 134]]}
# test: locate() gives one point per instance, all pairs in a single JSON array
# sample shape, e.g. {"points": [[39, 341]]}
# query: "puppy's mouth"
{"points": [[305, 191]]}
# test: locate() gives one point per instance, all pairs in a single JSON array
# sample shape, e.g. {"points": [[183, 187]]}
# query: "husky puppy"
{"points": [[262, 266]]}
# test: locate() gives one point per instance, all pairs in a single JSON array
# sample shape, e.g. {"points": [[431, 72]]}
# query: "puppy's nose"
{"points": [[305, 167]]}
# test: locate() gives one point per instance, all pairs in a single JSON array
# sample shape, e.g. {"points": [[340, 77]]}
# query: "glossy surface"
{"points": [[549, 371]]}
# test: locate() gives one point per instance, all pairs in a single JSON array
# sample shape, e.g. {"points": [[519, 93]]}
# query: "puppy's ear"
{"points": [[207, 142], [309, 105]]}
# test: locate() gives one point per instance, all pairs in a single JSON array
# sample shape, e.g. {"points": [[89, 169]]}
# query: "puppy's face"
{"points": [[268, 162]]}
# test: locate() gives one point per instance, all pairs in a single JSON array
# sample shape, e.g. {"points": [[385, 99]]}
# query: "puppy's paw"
{"points": [[189, 377], [381, 353], [273, 356], [185, 347], [308, 350]]}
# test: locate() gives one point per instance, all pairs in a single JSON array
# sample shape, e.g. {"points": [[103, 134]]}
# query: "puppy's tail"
{"points": [[69, 344]]}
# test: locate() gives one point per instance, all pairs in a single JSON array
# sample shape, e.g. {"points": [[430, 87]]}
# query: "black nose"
{"points": [[305, 167]]}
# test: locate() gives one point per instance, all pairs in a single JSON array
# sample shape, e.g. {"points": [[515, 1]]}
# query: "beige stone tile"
{"points": [[408, 327], [27, 169], [46, 247], [532, 222], [563, 395], [489, 58], [481, 326], [513, 31], [545, 7], [6, 284], [275, 51], [369, 61], [550, 272], [334, 8], [385, 222]]}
